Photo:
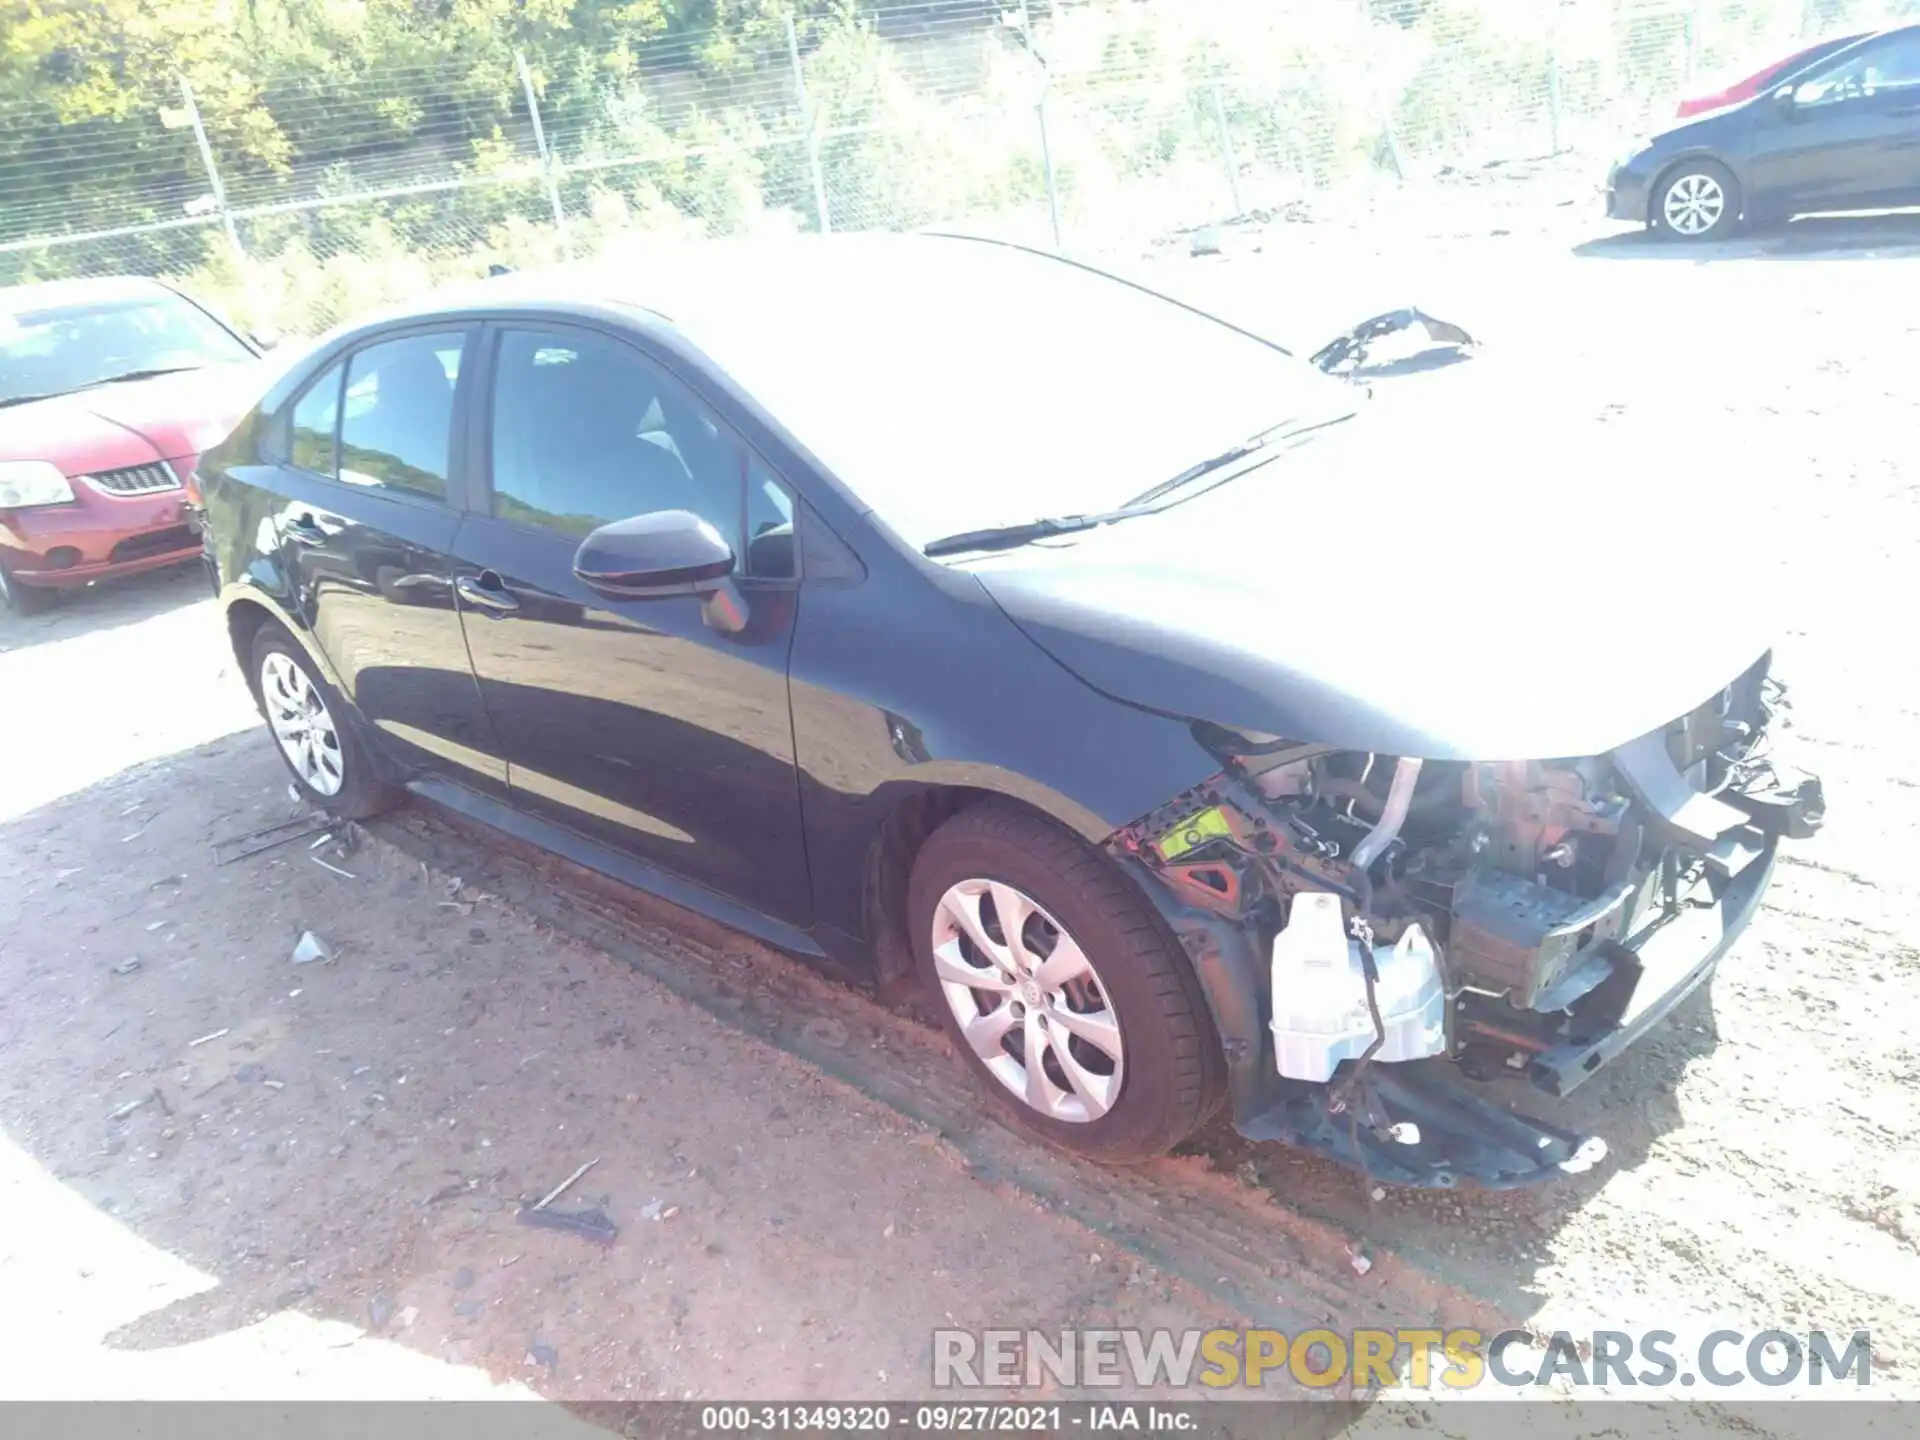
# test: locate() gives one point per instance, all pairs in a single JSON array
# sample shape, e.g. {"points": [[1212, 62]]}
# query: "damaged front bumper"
{"points": [[1636, 872], [1651, 975], [1454, 1133]]}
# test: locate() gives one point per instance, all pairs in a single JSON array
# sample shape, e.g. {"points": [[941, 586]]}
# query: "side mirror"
{"points": [[665, 553]]}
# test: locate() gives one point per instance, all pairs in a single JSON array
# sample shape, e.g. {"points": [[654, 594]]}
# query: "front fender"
{"points": [[1227, 956], [881, 716]]}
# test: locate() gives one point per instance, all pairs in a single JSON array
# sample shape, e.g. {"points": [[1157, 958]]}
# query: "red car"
{"points": [[1763, 80], [110, 390]]}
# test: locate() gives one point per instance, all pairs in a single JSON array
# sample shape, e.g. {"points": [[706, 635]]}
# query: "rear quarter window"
{"points": [[312, 422]]}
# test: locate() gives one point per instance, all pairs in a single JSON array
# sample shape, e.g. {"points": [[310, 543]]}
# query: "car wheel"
{"points": [[24, 599], [1060, 986], [310, 729], [1698, 200]]}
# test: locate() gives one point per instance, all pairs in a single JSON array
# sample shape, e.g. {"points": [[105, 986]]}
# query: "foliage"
{"points": [[682, 116]]}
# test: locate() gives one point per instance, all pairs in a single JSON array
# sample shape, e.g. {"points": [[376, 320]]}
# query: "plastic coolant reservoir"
{"points": [[1320, 993]]}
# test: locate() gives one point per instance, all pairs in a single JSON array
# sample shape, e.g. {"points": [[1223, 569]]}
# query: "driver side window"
{"points": [[587, 430], [1894, 66]]}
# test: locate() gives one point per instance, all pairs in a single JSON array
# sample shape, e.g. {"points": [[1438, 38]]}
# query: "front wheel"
{"points": [[24, 599], [1697, 200], [1063, 991]]}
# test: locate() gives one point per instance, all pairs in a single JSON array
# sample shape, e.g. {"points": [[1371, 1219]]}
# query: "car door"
{"points": [[368, 516], [1893, 103], [641, 723], [1851, 136]]}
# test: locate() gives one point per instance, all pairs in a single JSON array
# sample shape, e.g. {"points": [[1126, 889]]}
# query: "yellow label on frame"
{"points": [[1191, 834]]}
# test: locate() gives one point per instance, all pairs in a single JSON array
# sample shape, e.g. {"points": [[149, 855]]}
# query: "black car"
{"points": [[1841, 132], [951, 614]]}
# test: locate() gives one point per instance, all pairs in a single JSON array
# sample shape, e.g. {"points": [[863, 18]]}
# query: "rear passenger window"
{"points": [[396, 423], [315, 418]]}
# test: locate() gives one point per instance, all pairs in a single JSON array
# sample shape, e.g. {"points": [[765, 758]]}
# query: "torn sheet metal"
{"points": [[1349, 351]]}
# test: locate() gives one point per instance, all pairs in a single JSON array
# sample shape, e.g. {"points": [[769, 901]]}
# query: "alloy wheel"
{"points": [[1028, 1000], [302, 724], [1693, 204]]}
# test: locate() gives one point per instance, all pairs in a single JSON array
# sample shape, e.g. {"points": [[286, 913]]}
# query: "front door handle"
{"points": [[486, 592]]}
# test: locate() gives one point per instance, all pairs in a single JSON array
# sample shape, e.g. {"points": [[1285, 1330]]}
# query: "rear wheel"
{"points": [[1697, 200], [24, 599], [308, 720], [1061, 988]]}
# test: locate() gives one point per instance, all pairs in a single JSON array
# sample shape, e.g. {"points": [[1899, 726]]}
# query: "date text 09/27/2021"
{"points": [[954, 1418]]}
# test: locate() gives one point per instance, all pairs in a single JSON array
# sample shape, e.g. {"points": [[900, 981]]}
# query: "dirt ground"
{"points": [[230, 1174]]}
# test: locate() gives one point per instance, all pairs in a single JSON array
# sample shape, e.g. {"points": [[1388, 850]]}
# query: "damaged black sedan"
{"points": [[981, 626]]}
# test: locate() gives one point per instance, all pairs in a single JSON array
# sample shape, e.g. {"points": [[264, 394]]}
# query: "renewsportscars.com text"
{"points": [[1415, 1358]]}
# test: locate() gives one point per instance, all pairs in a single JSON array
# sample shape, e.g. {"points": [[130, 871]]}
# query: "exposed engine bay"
{"points": [[1520, 918]]}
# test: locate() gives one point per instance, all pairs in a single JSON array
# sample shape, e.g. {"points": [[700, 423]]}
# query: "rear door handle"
{"points": [[305, 531], [486, 592]]}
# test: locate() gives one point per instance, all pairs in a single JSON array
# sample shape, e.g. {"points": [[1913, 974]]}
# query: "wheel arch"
{"points": [[247, 608], [906, 819], [907, 814], [1224, 956], [1217, 953]]}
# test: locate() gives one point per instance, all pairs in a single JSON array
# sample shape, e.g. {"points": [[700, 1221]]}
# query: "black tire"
{"points": [[25, 599], [1173, 1074], [1693, 172], [362, 793]]}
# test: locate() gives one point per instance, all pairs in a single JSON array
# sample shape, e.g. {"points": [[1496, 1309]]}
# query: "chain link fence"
{"points": [[1090, 123]]}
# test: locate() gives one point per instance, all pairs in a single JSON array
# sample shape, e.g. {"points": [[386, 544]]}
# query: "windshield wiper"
{"points": [[1249, 446], [1007, 537], [1252, 445], [94, 384], [139, 375]]}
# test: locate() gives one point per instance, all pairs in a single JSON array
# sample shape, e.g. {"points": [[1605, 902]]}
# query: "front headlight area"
{"points": [[1414, 907], [1386, 888], [1326, 856], [1282, 817], [26, 483]]}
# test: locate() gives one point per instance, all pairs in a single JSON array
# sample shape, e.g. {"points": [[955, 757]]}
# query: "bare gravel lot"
{"points": [[227, 1173]]}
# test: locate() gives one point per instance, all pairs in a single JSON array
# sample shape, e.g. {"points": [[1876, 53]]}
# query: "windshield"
{"points": [[60, 348], [956, 385]]}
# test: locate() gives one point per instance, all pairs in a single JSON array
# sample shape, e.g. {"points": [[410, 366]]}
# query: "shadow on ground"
{"points": [[1494, 1245], [105, 605], [235, 1166], [1852, 237], [349, 1141]]}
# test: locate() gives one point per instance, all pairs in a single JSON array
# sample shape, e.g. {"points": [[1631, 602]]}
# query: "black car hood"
{"points": [[1411, 590]]}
